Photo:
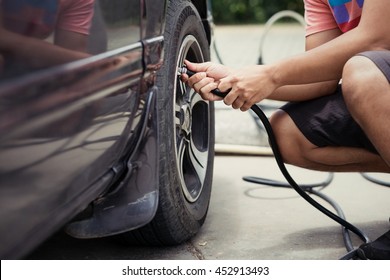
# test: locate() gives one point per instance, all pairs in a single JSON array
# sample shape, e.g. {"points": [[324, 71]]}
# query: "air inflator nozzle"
{"points": [[184, 70]]}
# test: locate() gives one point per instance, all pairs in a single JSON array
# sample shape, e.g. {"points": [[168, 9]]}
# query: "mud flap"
{"points": [[134, 201]]}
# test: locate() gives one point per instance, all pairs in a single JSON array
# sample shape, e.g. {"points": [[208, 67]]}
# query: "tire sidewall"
{"points": [[179, 25]]}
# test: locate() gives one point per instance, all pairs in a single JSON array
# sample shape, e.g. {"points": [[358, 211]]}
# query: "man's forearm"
{"points": [[324, 63], [304, 92]]}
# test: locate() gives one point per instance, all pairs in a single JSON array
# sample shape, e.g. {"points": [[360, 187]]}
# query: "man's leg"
{"points": [[367, 95], [297, 150]]}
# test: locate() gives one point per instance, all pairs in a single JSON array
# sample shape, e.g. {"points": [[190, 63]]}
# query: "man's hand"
{"points": [[247, 86], [206, 79]]}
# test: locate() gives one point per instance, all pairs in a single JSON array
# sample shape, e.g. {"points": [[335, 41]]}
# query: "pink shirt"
{"points": [[324, 15]]}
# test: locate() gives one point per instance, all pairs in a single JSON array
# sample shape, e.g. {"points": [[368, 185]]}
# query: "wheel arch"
{"points": [[204, 9], [178, 219]]}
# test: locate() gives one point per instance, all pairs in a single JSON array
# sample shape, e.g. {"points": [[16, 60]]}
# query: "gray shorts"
{"points": [[325, 121]]}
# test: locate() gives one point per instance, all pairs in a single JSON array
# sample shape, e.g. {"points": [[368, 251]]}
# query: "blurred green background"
{"points": [[251, 11]]}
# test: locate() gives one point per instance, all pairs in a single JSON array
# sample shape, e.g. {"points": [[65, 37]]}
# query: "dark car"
{"points": [[98, 135]]}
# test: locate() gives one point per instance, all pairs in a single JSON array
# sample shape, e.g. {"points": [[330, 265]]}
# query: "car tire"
{"points": [[186, 136]]}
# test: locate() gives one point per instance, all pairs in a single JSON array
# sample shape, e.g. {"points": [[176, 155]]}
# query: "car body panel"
{"points": [[49, 157], [133, 202]]}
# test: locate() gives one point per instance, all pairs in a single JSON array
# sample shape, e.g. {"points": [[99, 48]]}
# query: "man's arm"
{"points": [[326, 62], [309, 91], [252, 84]]}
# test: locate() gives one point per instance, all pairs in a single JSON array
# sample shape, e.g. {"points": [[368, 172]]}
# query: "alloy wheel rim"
{"points": [[192, 127]]}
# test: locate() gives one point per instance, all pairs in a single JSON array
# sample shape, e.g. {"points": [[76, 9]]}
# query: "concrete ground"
{"points": [[253, 222], [250, 221]]}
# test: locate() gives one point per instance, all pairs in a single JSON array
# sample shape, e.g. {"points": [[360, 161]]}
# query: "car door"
{"points": [[65, 126]]}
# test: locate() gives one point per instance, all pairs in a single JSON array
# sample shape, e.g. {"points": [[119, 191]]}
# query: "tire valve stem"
{"points": [[184, 70]]}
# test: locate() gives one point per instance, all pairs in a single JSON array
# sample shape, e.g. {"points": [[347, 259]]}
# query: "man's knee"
{"points": [[358, 74], [288, 138]]}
